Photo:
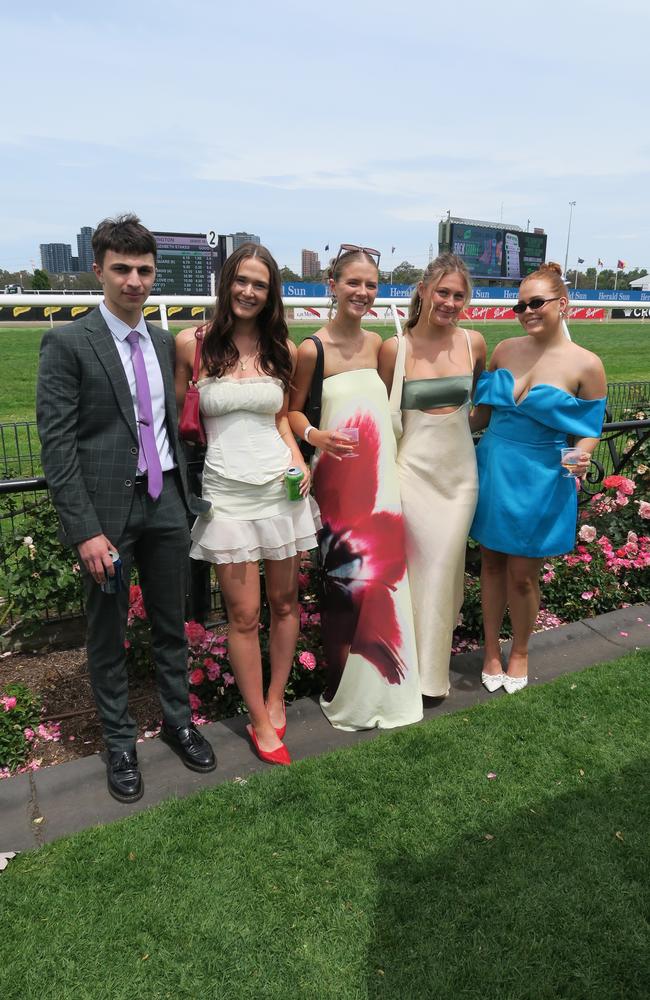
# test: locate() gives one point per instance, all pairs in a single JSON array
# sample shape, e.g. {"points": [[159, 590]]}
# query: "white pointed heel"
{"points": [[492, 682], [514, 684]]}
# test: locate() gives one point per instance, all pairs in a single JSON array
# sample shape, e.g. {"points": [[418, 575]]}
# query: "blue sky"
{"points": [[313, 124]]}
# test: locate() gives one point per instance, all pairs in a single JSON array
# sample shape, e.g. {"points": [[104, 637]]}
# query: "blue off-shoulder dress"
{"points": [[526, 506]]}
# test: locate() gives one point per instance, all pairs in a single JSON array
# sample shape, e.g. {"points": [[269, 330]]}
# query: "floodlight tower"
{"points": [[568, 237]]}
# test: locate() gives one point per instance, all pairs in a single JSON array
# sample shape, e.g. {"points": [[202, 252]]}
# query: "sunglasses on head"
{"points": [[353, 248], [535, 303]]}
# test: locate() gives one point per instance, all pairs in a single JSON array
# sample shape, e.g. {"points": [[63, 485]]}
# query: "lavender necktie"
{"points": [[149, 458]]}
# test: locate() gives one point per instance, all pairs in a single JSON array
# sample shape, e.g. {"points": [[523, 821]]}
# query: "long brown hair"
{"points": [[219, 352]]}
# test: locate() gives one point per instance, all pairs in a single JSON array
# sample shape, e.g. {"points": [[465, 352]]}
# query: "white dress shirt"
{"points": [[120, 332]]}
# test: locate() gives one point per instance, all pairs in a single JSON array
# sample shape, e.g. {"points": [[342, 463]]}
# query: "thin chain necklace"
{"points": [[244, 362]]}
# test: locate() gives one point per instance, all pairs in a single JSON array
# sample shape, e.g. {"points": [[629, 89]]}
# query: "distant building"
{"points": [[240, 238], [56, 258], [310, 264], [74, 265], [85, 248]]}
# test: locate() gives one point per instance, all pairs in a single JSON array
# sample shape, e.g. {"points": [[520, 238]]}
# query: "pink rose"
{"points": [[307, 660], [632, 538], [195, 633], [228, 679], [587, 595], [195, 702], [197, 677], [587, 533], [9, 702], [214, 672], [29, 734], [644, 510], [621, 499]]}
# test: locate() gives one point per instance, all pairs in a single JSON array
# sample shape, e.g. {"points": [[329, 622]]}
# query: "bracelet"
{"points": [[307, 431]]}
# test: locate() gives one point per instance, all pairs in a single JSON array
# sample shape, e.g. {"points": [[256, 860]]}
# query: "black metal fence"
{"points": [[23, 488]]}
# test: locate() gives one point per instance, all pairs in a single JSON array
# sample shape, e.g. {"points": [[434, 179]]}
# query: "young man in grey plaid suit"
{"points": [[107, 421]]}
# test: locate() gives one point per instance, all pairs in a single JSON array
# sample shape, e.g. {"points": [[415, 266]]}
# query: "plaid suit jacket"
{"points": [[87, 427]]}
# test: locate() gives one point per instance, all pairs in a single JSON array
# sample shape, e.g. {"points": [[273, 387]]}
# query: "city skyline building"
{"points": [[85, 248], [310, 264], [238, 239], [56, 258]]}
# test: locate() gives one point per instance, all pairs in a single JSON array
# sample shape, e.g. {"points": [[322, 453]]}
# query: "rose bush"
{"points": [[37, 574], [19, 726], [213, 692]]}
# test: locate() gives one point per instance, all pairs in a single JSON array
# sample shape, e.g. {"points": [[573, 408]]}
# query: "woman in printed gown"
{"points": [[540, 390], [436, 458], [366, 616], [247, 366]]}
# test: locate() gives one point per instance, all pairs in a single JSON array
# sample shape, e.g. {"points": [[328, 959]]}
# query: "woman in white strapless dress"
{"points": [[247, 365]]}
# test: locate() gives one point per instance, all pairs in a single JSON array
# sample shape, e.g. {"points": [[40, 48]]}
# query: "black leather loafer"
{"points": [[124, 779], [192, 748]]}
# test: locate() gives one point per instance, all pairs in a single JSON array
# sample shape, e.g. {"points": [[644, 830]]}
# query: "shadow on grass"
{"points": [[553, 904]]}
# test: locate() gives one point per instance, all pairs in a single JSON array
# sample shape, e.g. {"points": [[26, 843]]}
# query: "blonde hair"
{"points": [[552, 273], [444, 264]]}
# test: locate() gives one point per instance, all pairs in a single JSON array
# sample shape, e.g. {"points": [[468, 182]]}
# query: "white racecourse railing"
{"points": [[46, 298]]}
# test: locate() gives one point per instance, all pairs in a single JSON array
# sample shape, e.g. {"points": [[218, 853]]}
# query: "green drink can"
{"points": [[292, 480]]}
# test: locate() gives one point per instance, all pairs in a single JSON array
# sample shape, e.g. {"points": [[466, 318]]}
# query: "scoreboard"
{"points": [[185, 263], [490, 252]]}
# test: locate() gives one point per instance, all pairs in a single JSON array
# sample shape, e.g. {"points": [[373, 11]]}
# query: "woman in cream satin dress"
{"points": [[430, 376]]}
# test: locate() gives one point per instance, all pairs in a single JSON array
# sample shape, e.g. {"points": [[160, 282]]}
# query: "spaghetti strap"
{"points": [[469, 350]]}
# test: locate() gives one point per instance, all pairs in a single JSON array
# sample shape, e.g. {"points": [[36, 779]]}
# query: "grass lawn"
{"points": [[395, 869], [624, 348]]}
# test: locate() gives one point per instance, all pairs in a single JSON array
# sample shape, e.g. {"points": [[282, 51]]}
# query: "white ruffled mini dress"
{"points": [[243, 477]]}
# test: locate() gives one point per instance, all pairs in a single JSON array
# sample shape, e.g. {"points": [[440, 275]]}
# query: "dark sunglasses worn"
{"points": [[353, 248], [535, 303]]}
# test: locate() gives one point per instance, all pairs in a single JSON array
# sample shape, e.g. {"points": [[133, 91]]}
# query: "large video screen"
{"points": [[497, 253], [184, 266], [480, 248]]}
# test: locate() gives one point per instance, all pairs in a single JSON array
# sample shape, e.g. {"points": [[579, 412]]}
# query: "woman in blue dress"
{"points": [[540, 390]]}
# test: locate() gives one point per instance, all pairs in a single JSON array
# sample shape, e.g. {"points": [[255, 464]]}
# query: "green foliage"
{"points": [[41, 280], [19, 711], [37, 573], [404, 274]]}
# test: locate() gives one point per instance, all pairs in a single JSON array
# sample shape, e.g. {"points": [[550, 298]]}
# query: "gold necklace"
{"points": [[243, 363]]}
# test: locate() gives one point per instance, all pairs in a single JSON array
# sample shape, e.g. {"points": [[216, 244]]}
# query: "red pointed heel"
{"points": [[281, 730], [279, 756]]}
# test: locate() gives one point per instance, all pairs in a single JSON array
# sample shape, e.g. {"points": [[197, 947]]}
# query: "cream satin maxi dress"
{"points": [[436, 464]]}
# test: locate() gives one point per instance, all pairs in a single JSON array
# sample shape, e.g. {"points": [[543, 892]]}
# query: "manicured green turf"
{"points": [[394, 869], [624, 348]]}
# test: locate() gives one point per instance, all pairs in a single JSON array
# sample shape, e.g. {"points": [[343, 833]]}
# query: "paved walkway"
{"points": [[42, 806]]}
